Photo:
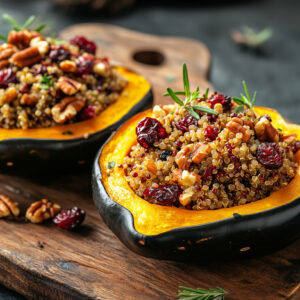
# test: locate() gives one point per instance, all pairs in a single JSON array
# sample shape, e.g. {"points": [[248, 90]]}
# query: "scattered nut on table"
{"points": [[8, 208], [41, 211]]}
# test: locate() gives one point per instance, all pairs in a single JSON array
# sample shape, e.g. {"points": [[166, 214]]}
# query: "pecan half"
{"points": [[21, 39], [8, 208], [68, 66], [265, 130], [200, 151], [236, 125], [41, 211], [26, 57], [6, 51], [68, 85], [66, 109], [28, 99]]}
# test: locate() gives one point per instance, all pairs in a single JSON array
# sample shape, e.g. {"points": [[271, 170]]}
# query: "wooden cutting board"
{"points": [[46, 262]]}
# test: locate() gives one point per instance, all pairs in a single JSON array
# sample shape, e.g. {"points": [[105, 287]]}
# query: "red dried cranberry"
{"points": [[84, 66], [84, 44], [167, 194], [149, 131], [88, 112], [69, 218], [184, 123], [135, 174], [208, 172], [7, 76], [296, 146], [211, 133], [220, 98], [165, 154], [212, 118], [229, 148], [178, 144], [59, 53], [269, 155]]}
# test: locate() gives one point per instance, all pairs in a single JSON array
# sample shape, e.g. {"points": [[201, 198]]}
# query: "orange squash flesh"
{"points": [[136, 89], [151, 219]]}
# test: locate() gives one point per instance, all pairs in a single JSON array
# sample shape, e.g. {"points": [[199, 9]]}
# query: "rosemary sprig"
{"points": [[186, 293], [17, 27], [245, 100], [46, 82], [189, 97]]}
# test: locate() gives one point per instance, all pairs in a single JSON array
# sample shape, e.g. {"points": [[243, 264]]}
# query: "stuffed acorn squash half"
{"points": [[58, 100], [209, 177]]}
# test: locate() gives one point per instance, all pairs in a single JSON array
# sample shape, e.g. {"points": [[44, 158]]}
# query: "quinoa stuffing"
{"points": [[45, 82], [209, 151]]}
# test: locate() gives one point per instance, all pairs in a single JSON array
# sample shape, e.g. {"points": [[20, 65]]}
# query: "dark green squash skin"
{"points": [[51, 153], [232, 238]]}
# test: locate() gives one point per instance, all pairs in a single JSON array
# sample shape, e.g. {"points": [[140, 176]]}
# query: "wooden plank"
{"points": [[91, 263]]}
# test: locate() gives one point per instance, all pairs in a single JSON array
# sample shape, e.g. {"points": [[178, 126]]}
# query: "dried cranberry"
{"points": [[88, 112], [229, 148], [211, 133], [149, 131], [208, 172], [178, 144], [7, 76], [84, 44], [59, 53], [212, 118], [296, 146], [167, 194], [184, 123], [165, 154], [84, 66], [69, 218], [269, 155], [220, 98]]}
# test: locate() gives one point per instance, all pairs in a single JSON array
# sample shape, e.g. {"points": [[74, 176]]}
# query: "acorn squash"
{"points": [[175, 233], [77, 141]]}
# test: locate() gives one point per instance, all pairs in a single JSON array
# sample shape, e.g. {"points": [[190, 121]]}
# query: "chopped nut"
{"points": [[41, 44], [236, 126], [185, 177], [265, 130], [68, 86], [183, 157], [151, 166], [41, 211], [6, 51], [102, 69], [21, 39], [26, 57], [8, 208], [200, 151], [67, 109], [10, 94], [28, 99], [186, 197], [68, 66]]}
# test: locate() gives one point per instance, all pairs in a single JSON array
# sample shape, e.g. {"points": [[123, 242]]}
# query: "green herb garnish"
{"points": [[68, 132], [189, 97], [279, 129], [17, 27], [111, 164], [245, 100], [46, 82], [185, 293]]}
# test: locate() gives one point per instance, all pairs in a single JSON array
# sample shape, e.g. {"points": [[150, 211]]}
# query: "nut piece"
{"points": [[8, 208], [102, 69], [41, 44], [41, 211], [28, 99], [68, 66], [200, 151], [265, 130], [236, 126], [6, 51], [26, 57], [21, 39], [185, 178], [68, 86], [66, 109], [186, 197], [151, 166]]}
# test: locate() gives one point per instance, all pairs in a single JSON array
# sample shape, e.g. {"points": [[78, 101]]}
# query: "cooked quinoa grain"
{"points": [[214, 162], [37, 74]]}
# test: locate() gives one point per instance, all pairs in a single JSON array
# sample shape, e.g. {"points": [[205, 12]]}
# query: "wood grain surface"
{"points": [[46, 262]]}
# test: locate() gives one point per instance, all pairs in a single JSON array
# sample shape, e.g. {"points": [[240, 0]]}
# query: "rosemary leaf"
{"points": [[205, 109], [186, 82], [12, 21], [176, 93], [185, 293], [238, 100], [111, 164], [239, 109], [174, 97], [40, 28], [192, 113], [253, 99], [3, 38], [29, 21], [206, 93], [246, 89]]}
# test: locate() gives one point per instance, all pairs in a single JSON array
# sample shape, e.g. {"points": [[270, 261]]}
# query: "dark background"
{"points": [[274, 72]]}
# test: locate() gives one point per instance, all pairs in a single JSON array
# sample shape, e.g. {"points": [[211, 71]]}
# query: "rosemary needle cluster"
{"points": [[189, 97], [17, 27], [245, 100], [186, 293]]}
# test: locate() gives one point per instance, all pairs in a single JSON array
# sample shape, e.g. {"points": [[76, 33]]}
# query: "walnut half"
{"points": [[41, 211], [8, 208]]}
